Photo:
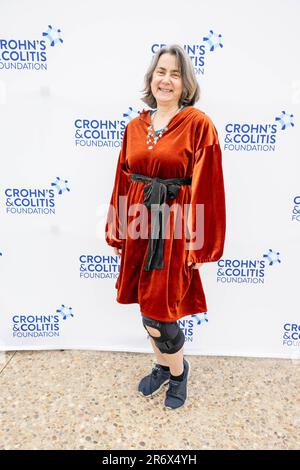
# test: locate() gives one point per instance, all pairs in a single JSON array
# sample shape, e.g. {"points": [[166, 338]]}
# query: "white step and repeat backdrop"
{"points": [[71, 75]]}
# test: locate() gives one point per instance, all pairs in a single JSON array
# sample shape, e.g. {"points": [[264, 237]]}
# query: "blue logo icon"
{"points": [[272, 257], [285, 120], [53, 36], [213, 40], [60, 185], [65, 312], [131, 114], [200, 317]]}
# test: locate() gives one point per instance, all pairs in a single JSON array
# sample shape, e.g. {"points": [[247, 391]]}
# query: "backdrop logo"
{"points": [[256, 137], [189, 325], [197, 52], [53, 36], [291, 335], [101, 132], [28, 54], [99, 267], [131, 114], [296, 209], [40, 326], [246, 271], [34, 200]]}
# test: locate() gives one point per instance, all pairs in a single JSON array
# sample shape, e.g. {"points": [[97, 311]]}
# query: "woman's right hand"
{"points": [[118, 251]]}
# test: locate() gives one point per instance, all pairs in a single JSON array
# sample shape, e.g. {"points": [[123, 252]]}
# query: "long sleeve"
{"points": [[115, 229], [207, 191]]}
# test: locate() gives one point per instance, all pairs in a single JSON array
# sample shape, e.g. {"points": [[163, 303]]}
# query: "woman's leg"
{"points": [[174, 361], [159, 356]]}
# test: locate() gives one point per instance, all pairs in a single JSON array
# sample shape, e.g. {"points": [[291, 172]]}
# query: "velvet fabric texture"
{"points": [[189, 148], [156, 194]]}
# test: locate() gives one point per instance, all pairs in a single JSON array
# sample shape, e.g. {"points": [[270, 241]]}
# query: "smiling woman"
{"points": [[172, 67], [170, 156], [166, 87]]}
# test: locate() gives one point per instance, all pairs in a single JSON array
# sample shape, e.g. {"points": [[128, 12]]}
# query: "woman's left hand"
{"points": [[195, 265]]}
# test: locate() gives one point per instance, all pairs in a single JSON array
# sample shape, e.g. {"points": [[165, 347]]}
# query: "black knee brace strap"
{"points": [[171, 337]]}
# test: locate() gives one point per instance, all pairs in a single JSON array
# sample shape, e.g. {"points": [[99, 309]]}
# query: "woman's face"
{"points": [[166, 84]]}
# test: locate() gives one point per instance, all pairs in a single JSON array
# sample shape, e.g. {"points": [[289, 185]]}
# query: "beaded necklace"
{"points": [[152, 134]]}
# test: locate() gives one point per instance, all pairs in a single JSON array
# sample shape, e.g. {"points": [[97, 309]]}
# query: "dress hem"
{"points": [[181, 315]]}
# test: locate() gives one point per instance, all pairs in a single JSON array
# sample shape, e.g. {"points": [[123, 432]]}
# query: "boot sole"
{"points": [[156, 391]]}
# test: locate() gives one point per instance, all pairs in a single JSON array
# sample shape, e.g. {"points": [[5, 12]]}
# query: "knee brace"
{"points": [[171, 337]]}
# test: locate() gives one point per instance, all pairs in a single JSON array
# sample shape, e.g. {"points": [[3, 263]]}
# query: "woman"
{"points": [[170, 159]]}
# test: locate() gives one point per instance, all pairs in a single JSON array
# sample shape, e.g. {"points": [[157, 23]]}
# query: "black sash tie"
{"points": [[155, 194]]}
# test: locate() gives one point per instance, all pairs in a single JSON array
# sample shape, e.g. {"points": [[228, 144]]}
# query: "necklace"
{"points": [[152, 134]]}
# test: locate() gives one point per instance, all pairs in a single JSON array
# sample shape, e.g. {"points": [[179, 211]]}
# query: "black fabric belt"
{"points": [[155, 194]]}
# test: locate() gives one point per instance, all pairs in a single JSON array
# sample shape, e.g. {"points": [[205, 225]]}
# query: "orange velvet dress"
{"points": [[189, 148]]}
